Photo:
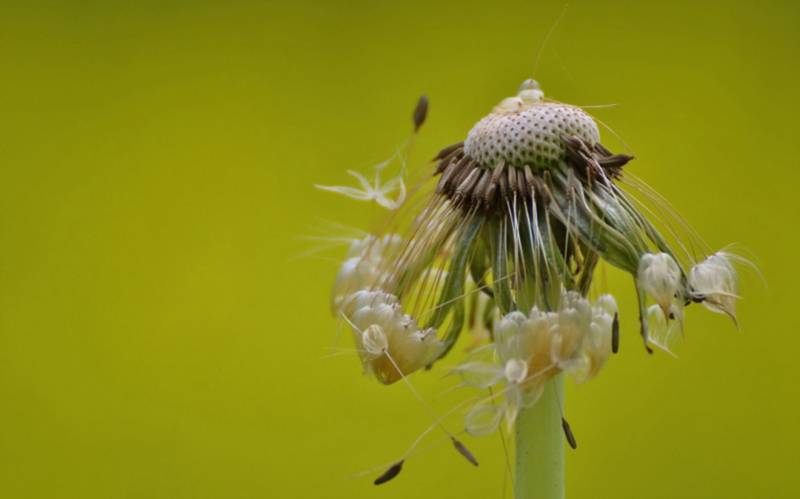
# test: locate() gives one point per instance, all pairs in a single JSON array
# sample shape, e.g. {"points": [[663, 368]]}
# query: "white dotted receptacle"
{"points": [[529, 136]]}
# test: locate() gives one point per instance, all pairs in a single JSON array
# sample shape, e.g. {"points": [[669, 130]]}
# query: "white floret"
{"points": [[390, 342], [659, 276], [714, 281]]}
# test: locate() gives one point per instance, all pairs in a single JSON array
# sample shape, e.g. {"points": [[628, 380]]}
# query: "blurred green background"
{"points": [[163, 336]]}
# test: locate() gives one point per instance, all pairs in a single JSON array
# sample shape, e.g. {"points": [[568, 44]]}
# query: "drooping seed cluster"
{"points": [[390, 342], [531, 348]]}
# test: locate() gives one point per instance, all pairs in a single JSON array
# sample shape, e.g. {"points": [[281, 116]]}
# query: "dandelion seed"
{"points": [[568, 433], [389, 474], [420, 112], [464, 451]]}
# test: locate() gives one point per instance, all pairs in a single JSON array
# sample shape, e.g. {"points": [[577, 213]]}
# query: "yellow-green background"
{"points": [[159, 337]]}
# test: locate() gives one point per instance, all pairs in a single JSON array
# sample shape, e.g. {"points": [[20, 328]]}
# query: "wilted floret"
{"points": [[390, 343], [663, 329], [713, 281], [660, 277], [362, 266]]}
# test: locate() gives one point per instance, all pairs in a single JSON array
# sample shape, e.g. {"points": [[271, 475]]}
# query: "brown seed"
{"points": [[615, 334], [449, 149], [458, 176], [466, 185], [572, 142], [503, 181], [392, 472], [512, 178], [420, 112], [529, 178], [543, 188], [448, 159], [615, 161], [446, 175], [464, 451], [479, 194], [568, 433], [600, 149], [643, 332], [522, 187], [488, 195], [498, 170]]}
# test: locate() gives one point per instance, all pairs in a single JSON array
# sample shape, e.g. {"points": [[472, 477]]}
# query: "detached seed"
{"points": [[420, 112], [464, 451], [568, 433], [392, 472]]}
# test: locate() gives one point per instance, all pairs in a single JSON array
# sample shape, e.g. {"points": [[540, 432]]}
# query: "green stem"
{"points": [[540, 446]]}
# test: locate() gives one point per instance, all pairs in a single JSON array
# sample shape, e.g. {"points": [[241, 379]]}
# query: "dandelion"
{"points": [[523, 212], [659, 276]]}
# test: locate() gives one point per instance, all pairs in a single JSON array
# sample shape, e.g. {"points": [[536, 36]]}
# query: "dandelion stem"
{"points": [[540, 446]]}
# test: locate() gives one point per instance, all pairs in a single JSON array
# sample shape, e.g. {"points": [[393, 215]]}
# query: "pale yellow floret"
{"points": [[531, 349], [390, 343], [714, 281], [660, 277]]}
